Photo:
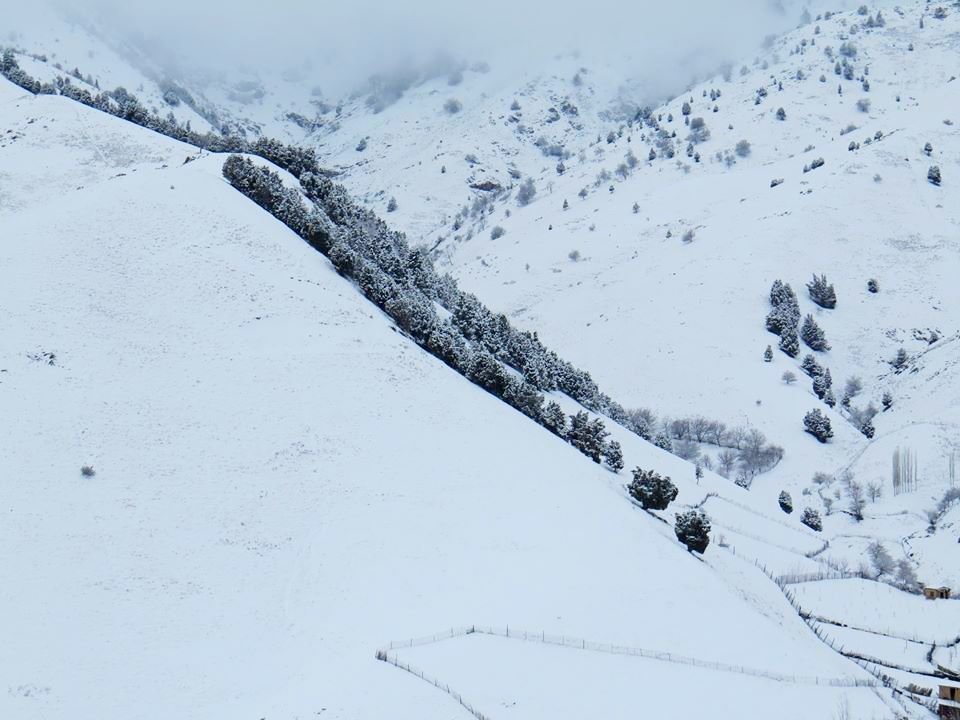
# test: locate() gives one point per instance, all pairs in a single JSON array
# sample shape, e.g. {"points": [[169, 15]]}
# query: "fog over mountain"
{"points": [[663, 45]]}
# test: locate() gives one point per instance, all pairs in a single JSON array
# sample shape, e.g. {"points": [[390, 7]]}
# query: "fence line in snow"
{"points": [[577, 643], [384, 656], [584, 644]]}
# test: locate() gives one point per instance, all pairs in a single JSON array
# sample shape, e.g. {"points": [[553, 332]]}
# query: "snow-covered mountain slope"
{"points": [[283, 483], [281, 478], [675, 321]]}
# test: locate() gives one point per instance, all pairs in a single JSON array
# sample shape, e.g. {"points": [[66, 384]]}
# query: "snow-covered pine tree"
{"points": [[662, 441], [822, 382], [811, 518], [786, 502], [693, 530], [554, 419], [822, 292], [900, 360], [587, 435], [652, 490], [768, 354], [613, 456], [789, 342], [818, 425], [813, 335], [810, 366]]}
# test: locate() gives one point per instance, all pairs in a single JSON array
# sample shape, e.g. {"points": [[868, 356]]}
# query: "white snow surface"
{"points": [[283, 482]]}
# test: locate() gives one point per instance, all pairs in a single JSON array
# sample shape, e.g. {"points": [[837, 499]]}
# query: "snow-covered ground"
{"points": [[284, 483]]}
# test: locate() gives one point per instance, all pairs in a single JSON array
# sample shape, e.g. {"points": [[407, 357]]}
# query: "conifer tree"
{"points": [[693, 530], [613, 456], [789, 342], [822, 292], [786, 502], [818, 425], [811, 518], [652, 490], [813, 335]]}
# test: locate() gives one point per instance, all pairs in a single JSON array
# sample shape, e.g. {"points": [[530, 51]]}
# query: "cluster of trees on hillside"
{"points": [[479, 343], [655, 492], [482, 346], [743, 447]]}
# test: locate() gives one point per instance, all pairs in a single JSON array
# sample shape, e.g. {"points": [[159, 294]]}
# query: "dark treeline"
{"points": [[482, 346]]}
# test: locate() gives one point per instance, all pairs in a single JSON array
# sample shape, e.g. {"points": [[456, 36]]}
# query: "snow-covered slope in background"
{"points": [[284, 483]]}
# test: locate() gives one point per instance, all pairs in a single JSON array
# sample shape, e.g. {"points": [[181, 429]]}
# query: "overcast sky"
{"points": [[360, 37]]}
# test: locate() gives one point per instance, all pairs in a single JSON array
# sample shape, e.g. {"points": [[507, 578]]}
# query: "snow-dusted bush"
{"points": [[786, 502], [852, 388], [527, 192], [856, 499], [788, 377], [87, 471], [743, 148], [811, 518], [613, 456], [693, 530], [699, 132], [497, 232], [652, 490], [900, 360], [453, 106], [392, 205], [934, 176], [873, 286]]}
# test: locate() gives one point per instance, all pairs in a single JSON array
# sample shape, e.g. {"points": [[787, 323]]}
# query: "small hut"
{"points": [[936, 593], [948, 707]]}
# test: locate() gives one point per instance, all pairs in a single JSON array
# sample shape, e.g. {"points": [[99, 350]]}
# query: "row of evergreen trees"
{"points": [[480, 344], [483, 347], [784, 317]]}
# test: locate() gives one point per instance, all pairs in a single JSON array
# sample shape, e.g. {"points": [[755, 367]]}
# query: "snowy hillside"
{"points": [[283, 488], [282, 483]]}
